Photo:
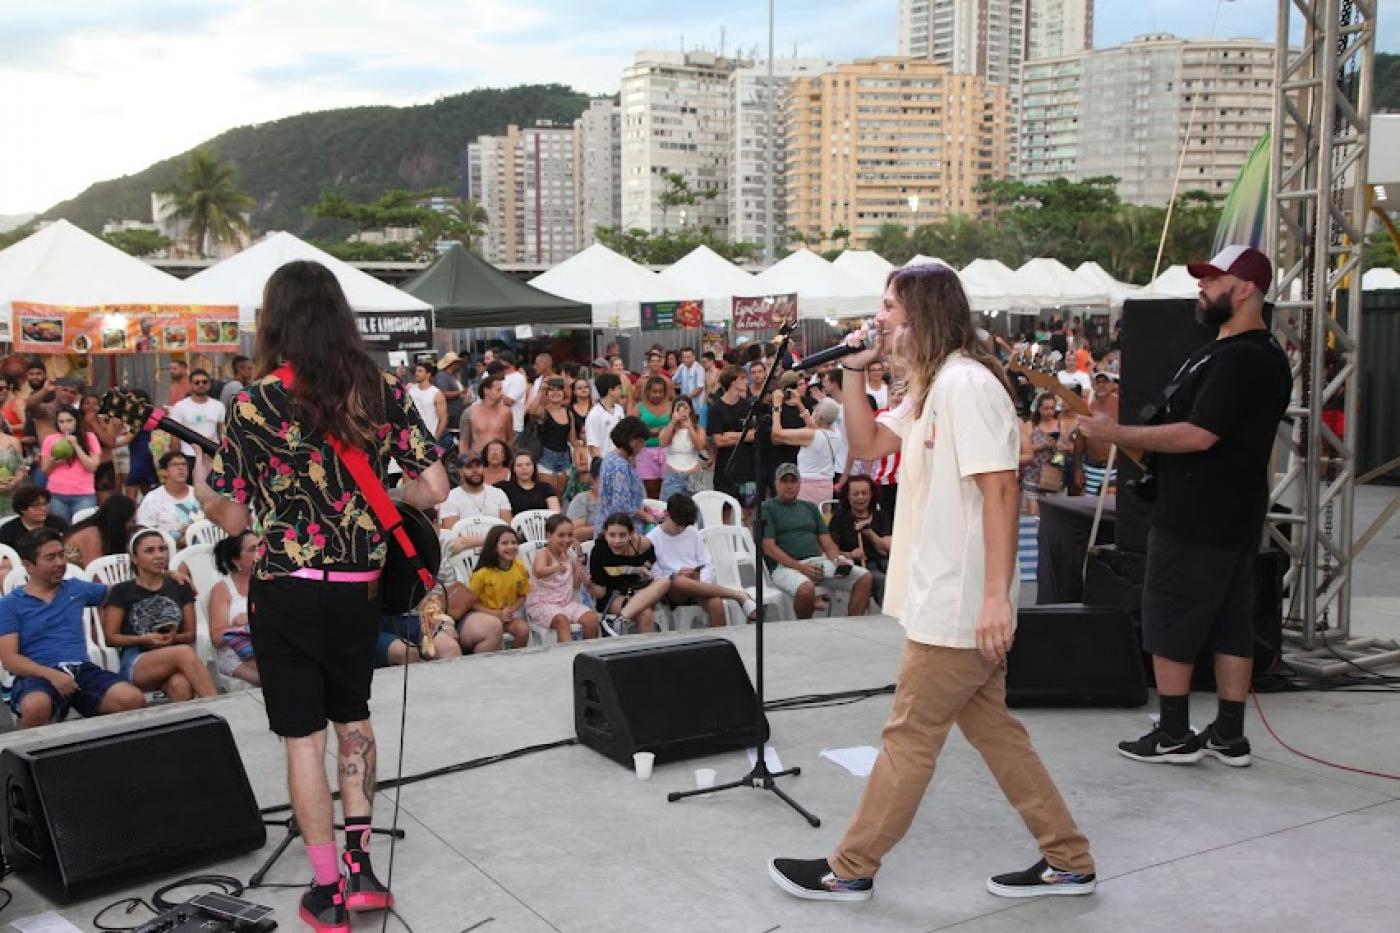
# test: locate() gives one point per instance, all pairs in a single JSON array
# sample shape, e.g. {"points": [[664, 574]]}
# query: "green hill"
{"points": [[1385, 96], [361, 151]]}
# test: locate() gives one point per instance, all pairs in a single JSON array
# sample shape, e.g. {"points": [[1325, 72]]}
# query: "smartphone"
{"points": [[843, 570], [166, 628]]}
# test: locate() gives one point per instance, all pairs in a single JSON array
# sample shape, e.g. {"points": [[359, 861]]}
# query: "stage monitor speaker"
{"points": [[679, 700], [1074, 655], [1158, 335], [90, 813]]}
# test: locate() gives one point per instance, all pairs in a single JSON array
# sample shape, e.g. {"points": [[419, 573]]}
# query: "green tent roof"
{"points": [[467, 291]]}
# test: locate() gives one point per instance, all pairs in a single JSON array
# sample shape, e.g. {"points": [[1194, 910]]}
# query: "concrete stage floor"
{"points": [[567, 840]]}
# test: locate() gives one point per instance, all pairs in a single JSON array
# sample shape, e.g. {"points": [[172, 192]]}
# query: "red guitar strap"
{"points": [[385, 512]]}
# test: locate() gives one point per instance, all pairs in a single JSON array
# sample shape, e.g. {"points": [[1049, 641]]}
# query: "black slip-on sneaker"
{"points": [[1040, 880], [812, 879]]}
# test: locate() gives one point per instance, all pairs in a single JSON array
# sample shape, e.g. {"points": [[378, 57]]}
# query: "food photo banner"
{"points": [[41, 328], [669, 315], [393, 331], [764, 312]]}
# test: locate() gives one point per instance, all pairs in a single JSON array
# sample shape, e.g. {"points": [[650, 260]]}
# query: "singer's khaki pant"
{"points": [[937, 688]]}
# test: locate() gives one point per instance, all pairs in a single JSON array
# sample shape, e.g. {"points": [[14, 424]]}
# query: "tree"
{"points": [[353, 251], [892, 241], [462, 222], [662, 249], [206, 196], [138, 242], [1043, 219], [678, 193], [1380, 252], [10, 238], [842, 234]]}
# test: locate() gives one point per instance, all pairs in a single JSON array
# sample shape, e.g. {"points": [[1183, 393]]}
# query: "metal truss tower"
{"points": [[1321, 136]]}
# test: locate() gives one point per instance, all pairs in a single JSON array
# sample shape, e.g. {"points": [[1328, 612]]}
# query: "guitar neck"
{"points": [[159, 419]]}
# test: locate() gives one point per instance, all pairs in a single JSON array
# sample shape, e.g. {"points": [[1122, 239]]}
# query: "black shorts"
{"points": [[1197, 595], [315, 645]]}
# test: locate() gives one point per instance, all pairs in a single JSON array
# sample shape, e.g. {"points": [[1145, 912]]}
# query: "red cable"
{"points": [[1322, 761]]}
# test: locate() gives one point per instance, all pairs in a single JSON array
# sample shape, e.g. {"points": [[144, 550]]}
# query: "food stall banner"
{"points": [[135, 328], [764, 312], [396, 330], [668, 315]]}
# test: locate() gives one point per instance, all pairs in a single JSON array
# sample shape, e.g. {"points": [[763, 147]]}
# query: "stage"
{"points": [[568, 840]]}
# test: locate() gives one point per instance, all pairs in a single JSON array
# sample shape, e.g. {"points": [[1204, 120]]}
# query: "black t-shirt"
{"points": [[14, 529], [843, 528], [725, 418], [521, 499], [617, 573], [145, 611], [553, 435], [1238, 391], [790, 418]]}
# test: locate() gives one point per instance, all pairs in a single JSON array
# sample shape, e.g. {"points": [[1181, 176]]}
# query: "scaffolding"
{"points": [[1321, 136]]}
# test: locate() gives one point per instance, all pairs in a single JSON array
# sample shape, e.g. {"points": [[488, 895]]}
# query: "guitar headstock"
{"points": [[1039, 368], [127, 407]]}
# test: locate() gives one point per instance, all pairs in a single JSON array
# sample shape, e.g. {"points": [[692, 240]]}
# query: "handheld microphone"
{"points": [[822, 357]]}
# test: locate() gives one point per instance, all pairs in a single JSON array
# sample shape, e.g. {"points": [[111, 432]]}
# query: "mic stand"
{"points": [[760, 777]]}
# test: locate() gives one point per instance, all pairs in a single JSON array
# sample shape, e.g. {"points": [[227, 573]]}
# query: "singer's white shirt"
{"points": [[937, 566]]}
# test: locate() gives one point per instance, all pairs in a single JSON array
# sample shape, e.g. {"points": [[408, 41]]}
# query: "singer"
{"points": [[951, 582], [313, 602]]}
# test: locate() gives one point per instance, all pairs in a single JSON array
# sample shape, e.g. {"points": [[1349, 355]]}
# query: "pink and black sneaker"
{"points": [[323, 908], [363, 891]]}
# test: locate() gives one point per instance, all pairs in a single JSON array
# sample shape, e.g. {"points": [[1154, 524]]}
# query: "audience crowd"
{"points": [[574, 513]]}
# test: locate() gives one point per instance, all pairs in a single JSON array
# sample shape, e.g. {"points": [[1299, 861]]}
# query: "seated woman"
{"points": [[524, 489], [151, 621], [496, 603], [620, 574], [559, 572], [862, 530], [496, 455], [103, 533], [583, 508], [401, 635], [234, 557]]}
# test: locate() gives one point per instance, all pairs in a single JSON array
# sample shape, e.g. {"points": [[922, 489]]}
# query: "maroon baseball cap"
{"points": [[1243, 262]]}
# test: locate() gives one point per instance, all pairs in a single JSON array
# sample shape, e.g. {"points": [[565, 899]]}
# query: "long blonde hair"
{"points": [[940, 324]]}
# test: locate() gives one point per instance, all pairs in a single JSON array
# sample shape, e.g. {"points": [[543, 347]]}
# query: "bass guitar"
{"points": [[402, 582]]}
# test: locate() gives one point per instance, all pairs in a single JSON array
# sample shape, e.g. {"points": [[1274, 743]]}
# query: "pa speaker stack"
{"points": [[89, 813]]}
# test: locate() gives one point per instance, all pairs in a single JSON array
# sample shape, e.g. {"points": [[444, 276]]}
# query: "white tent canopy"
{"points": [[981, 295], [65, 265], [1053, 285], [868, 268], [1378, 279], [610, 282], [240, 279], [703, 273], [1098, 276], [823, 291], [991, 276], [1174, 282]]}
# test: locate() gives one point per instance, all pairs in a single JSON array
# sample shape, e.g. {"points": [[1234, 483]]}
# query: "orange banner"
{"points": [[40, 328]]}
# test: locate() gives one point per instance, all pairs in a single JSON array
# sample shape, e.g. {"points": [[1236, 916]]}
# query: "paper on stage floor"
{"points": [[770, 758], [859, 760], [47, 922]]}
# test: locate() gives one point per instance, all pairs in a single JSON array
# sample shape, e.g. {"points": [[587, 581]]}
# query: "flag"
{"points": [[1246, 210]]}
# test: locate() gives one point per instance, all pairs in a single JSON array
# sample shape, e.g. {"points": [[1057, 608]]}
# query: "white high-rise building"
{"points": [[1126, 112], [1059, 27], [676, 120], [749, 153], [597, 169], [527, 190], [971, 37]]}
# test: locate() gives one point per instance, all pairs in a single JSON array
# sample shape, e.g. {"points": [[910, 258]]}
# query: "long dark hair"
{"points": [[111, 520], [490, 548], [307, 322]]}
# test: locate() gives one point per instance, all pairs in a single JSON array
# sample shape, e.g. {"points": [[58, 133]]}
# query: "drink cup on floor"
{"points": [[643, 762], [704, 777], [575, 631]]}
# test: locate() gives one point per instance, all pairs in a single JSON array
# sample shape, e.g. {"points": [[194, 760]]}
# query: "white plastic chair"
{"points": [[459, 567], [82, 514], [655, 506], [529, 525], [199, 560], [204, 532], [731, 549], [204, 642], [109, 571], [712, 503], [8, 553], [828, 509], [7, 519], [470, 525]]}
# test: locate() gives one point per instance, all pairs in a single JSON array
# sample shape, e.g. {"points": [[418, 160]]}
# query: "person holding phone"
{"points": [[150, 620]]}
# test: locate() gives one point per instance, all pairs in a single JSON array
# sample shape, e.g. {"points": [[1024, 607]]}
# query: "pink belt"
{"points": [[337, 576]]}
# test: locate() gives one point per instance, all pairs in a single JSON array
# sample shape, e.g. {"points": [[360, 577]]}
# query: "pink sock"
{"points": [[323, 863]]}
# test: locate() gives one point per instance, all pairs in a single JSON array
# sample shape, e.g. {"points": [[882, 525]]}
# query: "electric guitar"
{"points": [[1041, 370], [399, 584]]}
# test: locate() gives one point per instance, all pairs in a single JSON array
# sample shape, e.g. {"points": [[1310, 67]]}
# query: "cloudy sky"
{"points": [[92, 90]]}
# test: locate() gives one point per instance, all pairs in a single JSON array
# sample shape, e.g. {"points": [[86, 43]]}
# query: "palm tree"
{"points": [[206, 197], [473, 220]]}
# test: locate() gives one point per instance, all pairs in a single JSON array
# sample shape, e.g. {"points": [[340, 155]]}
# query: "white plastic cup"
{"points": [[704, 777], [643, 762], [576, 631]]}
